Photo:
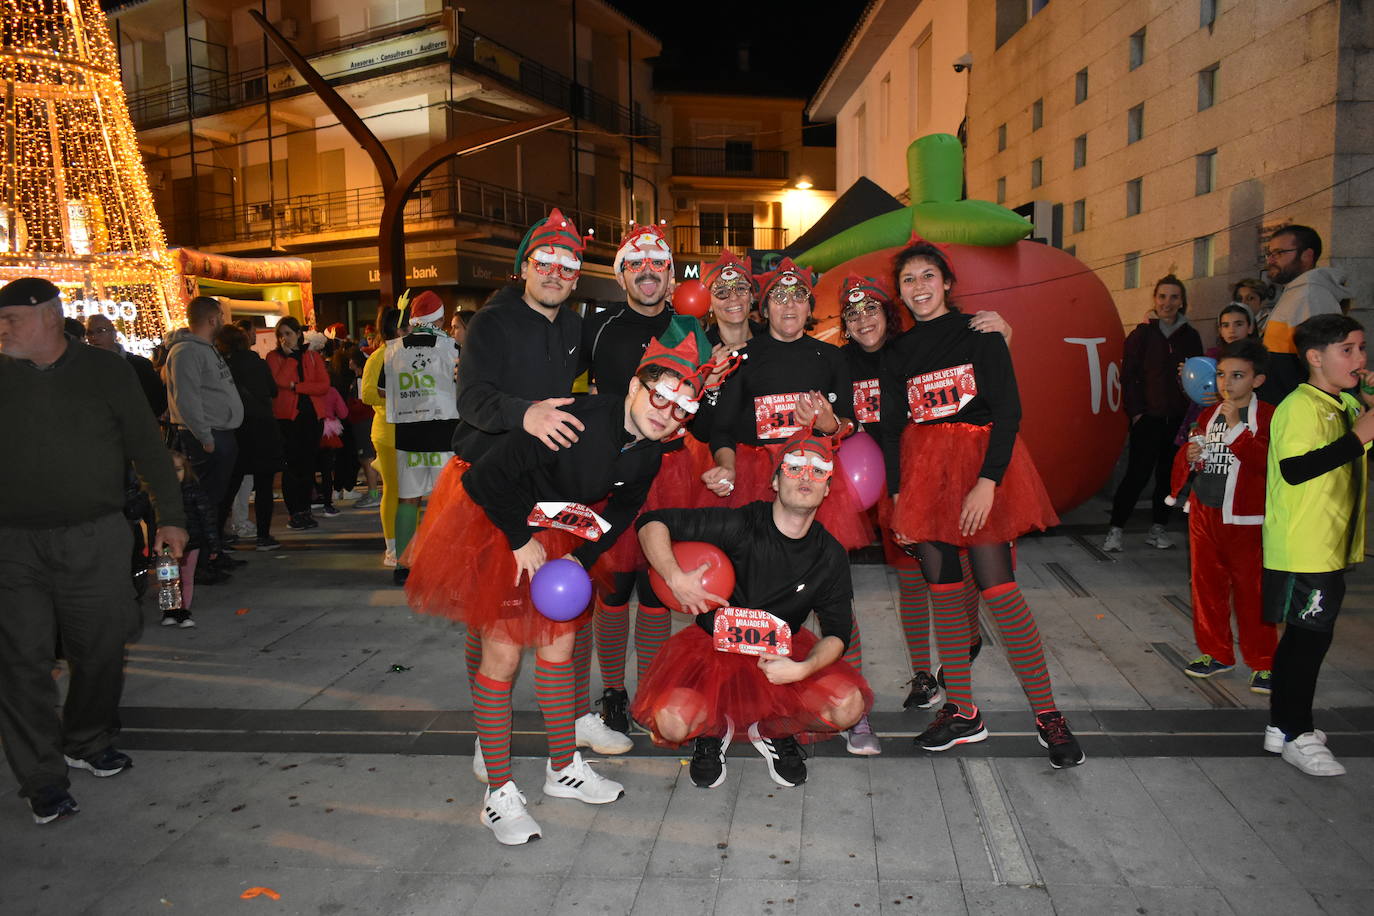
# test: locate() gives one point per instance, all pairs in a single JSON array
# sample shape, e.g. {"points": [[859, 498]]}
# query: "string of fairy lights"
{"points": [[75, 206]]}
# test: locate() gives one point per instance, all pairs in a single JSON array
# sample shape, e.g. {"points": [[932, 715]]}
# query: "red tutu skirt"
{"points": [[704, 687], [462, 568], [839, 513], [893, 554], [940, 464], [674, 487]]}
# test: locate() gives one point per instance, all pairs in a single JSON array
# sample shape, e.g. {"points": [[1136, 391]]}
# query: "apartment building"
{"points": [[244, 159], [1173, 136]]}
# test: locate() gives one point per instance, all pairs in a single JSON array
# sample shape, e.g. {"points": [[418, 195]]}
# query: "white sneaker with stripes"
{"points": [[503, 811], [578, 780]]}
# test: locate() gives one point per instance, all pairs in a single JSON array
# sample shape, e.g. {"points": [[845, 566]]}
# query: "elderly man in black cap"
{"points": [[74, 416]]}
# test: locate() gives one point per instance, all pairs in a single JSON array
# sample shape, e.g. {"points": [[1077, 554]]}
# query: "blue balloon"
{"points": [[561, 589], [1200, 379]]}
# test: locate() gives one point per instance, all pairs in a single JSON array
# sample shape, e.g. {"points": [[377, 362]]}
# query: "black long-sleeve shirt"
{"points": [[513, 357], [521, 471], [613, 343], [747, 399], [955, 375], [787, 577]]}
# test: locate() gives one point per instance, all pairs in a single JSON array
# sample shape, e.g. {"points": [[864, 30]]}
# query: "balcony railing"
{"points": [[215, 92], [741, 161], [553, 88], [709, 240], [436, 199]]}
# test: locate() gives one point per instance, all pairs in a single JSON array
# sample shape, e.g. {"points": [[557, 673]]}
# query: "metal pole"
{"points": [[190, 113], [575, 97], [630, 81], [271, 167]]}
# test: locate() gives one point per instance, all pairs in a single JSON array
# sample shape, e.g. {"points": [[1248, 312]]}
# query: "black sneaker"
{"points": [[708, 759], [785, 758], [268, 543], [1055, 735], [614, 711], [209, 575], [950, 728], [297, 521], [925, 691], [108, 762], [52, 803], [309, 520], [399, 575]]}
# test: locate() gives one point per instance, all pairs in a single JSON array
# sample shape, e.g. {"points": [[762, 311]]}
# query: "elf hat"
{"points": [[557, 231], [787, 274], [728, 267], [683, 348], [640, 243], [857, 288]]}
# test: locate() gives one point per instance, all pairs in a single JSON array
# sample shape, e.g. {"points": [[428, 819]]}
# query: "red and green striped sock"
{"points": [[612, 622], [951, 638], [971, 596], [913, 607], [492, 717], [652, 628], [472, 653], [1021, 640], [854, 655], [582, 666], [554, 689]]}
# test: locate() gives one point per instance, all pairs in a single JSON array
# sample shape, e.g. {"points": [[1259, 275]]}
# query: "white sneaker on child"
{"points": [[578, 780], [1273, 738], [1112, 542], [186, 623], [1159, 538], [1311, 756], [503, 811]]}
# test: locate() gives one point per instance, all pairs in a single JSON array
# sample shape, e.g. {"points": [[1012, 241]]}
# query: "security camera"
{"points": [[963, 62]]}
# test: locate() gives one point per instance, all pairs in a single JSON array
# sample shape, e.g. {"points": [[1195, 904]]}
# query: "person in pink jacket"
{"points": [[331, 442], [1224, 465], [299, 407]]}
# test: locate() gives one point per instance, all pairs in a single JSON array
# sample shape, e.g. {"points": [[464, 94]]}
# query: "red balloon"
{"points": [[1066, 348], [692, 298], [719, 579]]}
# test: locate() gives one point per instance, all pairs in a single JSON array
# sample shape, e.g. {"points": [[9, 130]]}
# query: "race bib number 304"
{"points": [[867, 398], [748, 631], [574, 517], [775, 415], [940, 394]]}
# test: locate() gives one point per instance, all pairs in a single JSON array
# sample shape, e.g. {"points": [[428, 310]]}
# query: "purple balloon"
{"points": [[561, 589], [862, 463]]}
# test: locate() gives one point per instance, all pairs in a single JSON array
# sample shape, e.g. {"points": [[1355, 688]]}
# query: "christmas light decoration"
{"points": [[75, 206]]}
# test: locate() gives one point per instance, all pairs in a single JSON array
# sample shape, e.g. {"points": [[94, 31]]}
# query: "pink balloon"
{"points": [[862, 461]]}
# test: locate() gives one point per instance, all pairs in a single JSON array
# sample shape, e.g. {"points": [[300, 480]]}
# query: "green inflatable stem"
{"points": [[935, 169]]}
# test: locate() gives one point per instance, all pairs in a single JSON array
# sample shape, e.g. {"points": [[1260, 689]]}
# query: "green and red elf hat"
{"points": [[856, 288], [555, 231], [728, 267], [787, 274], [641, 243], [807, 442], [684, 350]]}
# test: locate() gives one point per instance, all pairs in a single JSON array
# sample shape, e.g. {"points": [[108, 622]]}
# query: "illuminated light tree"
{"points": [[75, 206]]}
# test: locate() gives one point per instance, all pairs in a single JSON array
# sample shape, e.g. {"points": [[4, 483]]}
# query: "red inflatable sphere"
{"points": [[691, 297], [1066, 347], [718, 579]]}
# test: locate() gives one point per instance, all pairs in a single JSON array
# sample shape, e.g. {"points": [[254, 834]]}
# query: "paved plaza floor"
{"points": [[313, 738]]}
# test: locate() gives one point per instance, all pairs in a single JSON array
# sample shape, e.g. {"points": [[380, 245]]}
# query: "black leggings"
{"points": [[1297, 662], [301, 440], [991, 564], [625, 584], [1150, 450]]}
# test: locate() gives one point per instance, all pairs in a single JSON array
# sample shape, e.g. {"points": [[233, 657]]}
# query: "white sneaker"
{"points": [[1112, 542], [861, 740], [1311, 756], [1158, 537], [245, 529], [186, 623], [504, 812], [593, 733], [479, 763], [389, 558], [1273, 738], [578, 780], [348, 496]]}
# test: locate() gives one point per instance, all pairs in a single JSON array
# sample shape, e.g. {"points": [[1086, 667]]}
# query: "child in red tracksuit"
{"points": [[1225, 461]]}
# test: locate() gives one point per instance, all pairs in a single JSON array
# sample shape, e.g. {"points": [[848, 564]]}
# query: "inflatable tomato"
{"points": [[1067, 340]]}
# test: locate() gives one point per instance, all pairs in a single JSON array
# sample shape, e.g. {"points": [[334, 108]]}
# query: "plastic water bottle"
{"points": [[168, 581]]}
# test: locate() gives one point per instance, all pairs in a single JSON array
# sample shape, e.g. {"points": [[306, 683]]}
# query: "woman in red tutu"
{"points": [[786, 565], [961, 478], [470, 560], [790, 381]]}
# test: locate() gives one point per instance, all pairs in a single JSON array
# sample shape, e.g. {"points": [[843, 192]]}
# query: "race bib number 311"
{"points": [[775, 415], [748, 631], [940, 394]]}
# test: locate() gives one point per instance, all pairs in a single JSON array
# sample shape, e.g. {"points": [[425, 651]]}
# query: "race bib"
{"points": [[747, 631], [574, 517], [867, 397], [942, 393], [775, 415]]}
